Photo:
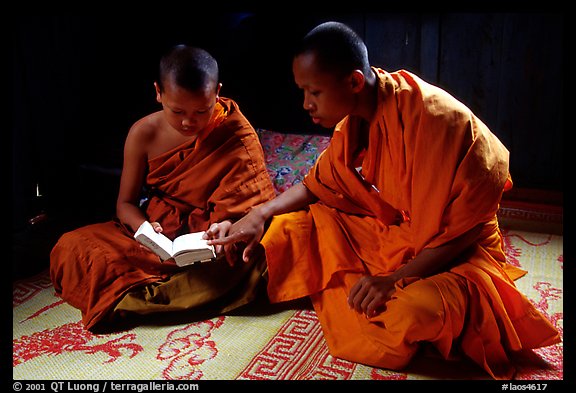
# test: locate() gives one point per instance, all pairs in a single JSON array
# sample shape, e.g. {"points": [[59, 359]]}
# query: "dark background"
{"points": [[80, 82]]}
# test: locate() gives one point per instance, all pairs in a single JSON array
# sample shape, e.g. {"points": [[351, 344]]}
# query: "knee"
{"points": [[416, 308], [287, 233], [68, 238], [67, 243]]}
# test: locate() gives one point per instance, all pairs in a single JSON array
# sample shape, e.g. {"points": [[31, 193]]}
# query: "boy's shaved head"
{"points": [[337, 48], [189, 67]]}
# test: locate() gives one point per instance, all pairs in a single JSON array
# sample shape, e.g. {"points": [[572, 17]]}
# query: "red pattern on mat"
{"points": [[548, 363], [514, 253], [44, 309], [298, 352], [71, 337], [187, 348], [25, 290]]}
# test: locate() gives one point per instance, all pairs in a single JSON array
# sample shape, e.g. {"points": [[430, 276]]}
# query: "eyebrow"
{"points": [[178, 109], [207, 108]]}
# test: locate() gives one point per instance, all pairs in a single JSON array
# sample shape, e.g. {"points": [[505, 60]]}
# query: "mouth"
{"points": [[315, 119]]}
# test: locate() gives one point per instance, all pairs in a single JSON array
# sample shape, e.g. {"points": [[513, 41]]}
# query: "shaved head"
{"points": [[337, 47]]}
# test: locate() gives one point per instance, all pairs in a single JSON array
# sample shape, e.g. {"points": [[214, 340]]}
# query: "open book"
{"points": [[185, 249]]}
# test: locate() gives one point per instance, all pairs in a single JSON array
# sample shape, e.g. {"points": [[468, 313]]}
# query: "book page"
{"points": [[189, 241]]}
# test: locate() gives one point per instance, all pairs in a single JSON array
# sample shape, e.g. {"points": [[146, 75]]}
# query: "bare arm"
{"points": [[131, 181], [295, 198], [250, 228], [370, 293]]}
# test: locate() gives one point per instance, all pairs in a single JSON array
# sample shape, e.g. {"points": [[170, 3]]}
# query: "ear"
{"points": [[218, 87], [357, 81], [158, 93]]}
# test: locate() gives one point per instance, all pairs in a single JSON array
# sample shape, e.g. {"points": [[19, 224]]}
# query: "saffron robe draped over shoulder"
{"points": [[219, 176], [431, 172]]}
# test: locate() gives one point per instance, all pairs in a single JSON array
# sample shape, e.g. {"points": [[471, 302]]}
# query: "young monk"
{"points": [[201, 162], [393, 233]]}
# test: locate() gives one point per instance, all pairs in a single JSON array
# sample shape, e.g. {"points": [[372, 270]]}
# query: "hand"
{"points": [[249, 229], [157, 227], [370, 293], [219, 231]]}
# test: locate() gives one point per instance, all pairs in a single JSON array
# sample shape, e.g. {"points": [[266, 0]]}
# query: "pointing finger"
{"points": [[236, 237]]}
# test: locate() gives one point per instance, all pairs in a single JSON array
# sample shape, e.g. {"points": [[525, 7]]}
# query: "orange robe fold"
{"points": [[219, 176], [431, 172]]}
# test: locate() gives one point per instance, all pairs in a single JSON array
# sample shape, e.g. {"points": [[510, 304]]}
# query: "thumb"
{"points": [[248, 251]]}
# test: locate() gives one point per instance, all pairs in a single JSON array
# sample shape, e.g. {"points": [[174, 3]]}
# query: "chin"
{"points": [[321, 122], [326, 124], [189, 132]]}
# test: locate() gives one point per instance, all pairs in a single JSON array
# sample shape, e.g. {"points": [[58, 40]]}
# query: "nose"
{"points": [[307, 104], [188, 122]]}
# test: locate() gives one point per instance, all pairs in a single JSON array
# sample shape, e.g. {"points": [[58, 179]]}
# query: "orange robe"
{"points": [[219, 176], [431, 172]]}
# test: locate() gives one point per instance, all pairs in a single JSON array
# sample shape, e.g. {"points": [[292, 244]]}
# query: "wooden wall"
{"points": [[506, 67]]}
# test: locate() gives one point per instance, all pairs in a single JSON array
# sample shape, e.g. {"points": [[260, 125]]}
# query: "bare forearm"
{"points": [[295, 198], [434, 260], [251, 227], [130, 215]]}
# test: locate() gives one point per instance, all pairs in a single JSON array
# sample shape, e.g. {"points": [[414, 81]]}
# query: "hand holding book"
{"points": [[185, 249]]}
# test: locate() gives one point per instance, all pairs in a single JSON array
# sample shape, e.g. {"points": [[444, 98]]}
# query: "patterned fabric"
{"points": [[262, 342], [290, 156]]}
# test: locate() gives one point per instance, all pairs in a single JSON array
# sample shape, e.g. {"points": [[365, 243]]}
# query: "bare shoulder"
{"points": [[147, 128], [142, 135]]}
